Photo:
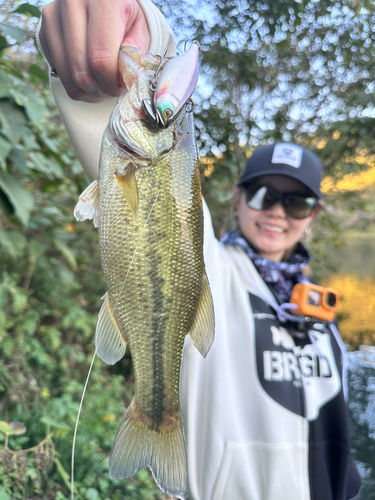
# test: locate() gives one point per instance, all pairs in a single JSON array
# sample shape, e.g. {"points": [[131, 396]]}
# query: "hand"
{"points": [[81, 39]]}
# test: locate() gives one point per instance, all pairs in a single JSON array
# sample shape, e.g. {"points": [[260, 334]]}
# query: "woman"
{"points": [[265, 412]]}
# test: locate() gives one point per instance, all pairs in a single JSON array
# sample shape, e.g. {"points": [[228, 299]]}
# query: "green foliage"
{"points": [[292, 71], [50, 289], [297, 71], [28, 10]]}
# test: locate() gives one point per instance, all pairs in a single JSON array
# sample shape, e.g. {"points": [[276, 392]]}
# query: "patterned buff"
{"points": [[281, 275]]}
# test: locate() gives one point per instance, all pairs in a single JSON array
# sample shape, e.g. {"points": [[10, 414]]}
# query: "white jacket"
{"points": [[264, 414]]}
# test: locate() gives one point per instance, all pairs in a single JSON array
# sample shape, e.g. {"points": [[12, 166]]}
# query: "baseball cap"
{"points": [[285, 159]]}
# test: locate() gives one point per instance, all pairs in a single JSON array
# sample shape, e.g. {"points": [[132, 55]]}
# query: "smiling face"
{"points": [[271, 232]]}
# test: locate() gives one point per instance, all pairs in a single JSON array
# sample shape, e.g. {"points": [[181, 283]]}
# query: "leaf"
{"points": [[5, 149], [18, 160], [12, 428], [3, 494], [34, 106], [29, 323], [17, 33], [47, 166], [28, 139], [3, 42], [92, 494], [37, 71], [50, 422], [28, 10], [20, 199], [13, 243], [5, 205], [36, 249], [66, 253], [12, 120], [19, 298], [5, 85], [64, 475]]}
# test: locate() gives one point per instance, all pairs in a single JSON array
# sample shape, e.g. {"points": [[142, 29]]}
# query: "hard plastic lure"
{"points": [[173, 87], [150, 223]]}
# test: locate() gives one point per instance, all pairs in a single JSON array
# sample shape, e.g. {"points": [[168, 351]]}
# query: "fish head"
{"points": [[131, 130], [176, 83], [132, 61]]}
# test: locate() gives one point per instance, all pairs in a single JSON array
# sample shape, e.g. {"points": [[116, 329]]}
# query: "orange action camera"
{"points": [[315, 301]]}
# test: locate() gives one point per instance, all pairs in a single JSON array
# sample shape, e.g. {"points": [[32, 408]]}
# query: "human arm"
{"points": [[85, 108]]}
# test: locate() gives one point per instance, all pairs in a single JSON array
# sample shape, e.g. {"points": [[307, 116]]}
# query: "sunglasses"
{"points": [[295, 205]]}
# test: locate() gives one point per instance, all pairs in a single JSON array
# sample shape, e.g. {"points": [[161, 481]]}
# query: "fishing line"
{"points": [[136, 248], [76, 427], [93, 358]]}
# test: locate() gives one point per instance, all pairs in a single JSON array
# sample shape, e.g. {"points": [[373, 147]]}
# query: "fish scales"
{"points": [[163, 285], [150, 220]]}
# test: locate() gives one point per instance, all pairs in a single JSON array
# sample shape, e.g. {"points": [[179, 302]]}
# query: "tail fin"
{"points": [[137, 446]]}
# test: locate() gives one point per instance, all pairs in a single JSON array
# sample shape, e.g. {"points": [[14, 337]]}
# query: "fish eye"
{"points": [[167, 113]]}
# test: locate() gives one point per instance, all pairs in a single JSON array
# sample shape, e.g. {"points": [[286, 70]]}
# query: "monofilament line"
{"points": [[136, 248], [93, 358], [76, 427]]}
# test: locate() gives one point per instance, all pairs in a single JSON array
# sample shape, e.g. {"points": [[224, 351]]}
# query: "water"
{"points": [[356, 316], [362, 415]]}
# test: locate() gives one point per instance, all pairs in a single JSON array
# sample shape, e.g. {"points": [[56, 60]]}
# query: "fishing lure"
{"points": [[173, 84]]}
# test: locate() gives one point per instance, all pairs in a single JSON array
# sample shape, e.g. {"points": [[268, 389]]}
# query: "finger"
{"points": [[139, 35], [58, 58], [47, 11], [74, 28], [106, 30]]}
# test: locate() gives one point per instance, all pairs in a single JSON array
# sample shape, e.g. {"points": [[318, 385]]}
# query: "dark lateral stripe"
{"points": [[158, 324]]}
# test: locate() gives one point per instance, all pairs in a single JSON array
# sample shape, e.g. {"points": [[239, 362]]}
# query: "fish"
{"points": [[150, 221]]}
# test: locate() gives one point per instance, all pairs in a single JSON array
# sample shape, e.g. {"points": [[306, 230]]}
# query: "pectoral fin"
{"points": [[129, 188], [110, 343], [87, 207], [202, 331]]}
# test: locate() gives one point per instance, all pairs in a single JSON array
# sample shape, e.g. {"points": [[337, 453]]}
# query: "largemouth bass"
{"points": [[150, 221]]}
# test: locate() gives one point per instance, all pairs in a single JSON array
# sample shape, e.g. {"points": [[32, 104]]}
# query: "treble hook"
{"points": [[154, 79]]}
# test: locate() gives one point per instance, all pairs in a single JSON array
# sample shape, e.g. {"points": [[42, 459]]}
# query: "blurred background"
{"points": [[270, 70]]}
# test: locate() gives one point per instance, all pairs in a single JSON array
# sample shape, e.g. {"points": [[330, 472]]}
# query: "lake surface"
{"points": [[356, 316], [362, 415]]}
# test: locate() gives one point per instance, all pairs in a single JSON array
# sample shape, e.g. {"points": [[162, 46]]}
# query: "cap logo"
{"points": [[287, 153]]}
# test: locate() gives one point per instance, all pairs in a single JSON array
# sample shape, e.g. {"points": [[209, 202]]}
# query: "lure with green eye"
{"points": [[148, 207], [176, 83]]}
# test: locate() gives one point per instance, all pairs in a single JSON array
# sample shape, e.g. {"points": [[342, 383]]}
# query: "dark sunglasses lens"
{"points": [[260, 198], [299, 207], [263, 197]]}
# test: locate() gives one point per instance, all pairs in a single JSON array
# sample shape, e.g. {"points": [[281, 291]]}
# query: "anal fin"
{"points": [[202, 331], [109, 341], [129, 188], [87, 207]]}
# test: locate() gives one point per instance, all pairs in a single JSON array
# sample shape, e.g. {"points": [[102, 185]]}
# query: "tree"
{"points": [[291, 71], [50, 288]]}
